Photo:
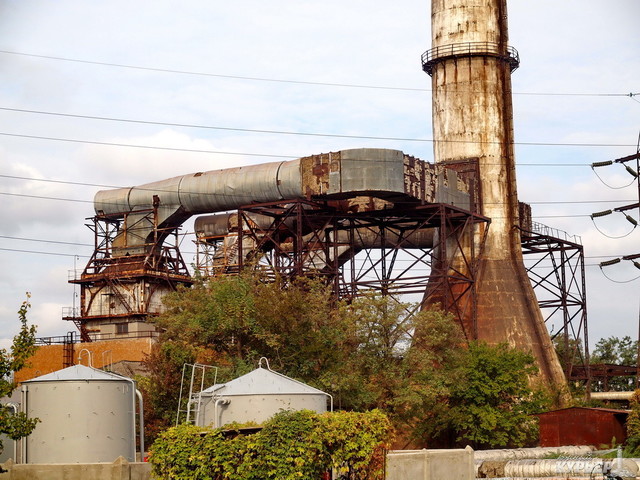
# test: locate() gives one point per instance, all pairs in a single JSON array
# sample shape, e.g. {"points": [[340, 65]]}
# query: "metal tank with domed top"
{"points": [[86, 416]]}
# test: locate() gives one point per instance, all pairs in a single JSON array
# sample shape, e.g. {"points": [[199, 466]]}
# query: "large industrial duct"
{"points": [[133, 268], [382, 173], [221, 224]]}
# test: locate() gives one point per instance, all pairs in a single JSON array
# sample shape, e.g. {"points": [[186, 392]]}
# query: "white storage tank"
{"points": [[256, 397], [86, 416]]}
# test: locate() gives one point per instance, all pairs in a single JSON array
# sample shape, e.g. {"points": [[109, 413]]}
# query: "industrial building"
{"points": [[348, 216], [448, 232]]}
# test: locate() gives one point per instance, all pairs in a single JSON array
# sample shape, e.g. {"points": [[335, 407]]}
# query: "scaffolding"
{"points": [[557, 274], [125, 275], [400, 251]]}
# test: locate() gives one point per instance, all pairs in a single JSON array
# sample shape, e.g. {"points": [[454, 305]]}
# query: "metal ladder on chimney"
{"points": [[196, 372]]}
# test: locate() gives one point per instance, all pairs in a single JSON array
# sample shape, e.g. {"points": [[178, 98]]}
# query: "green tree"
{"points": [[615, 351], [366, 353], [633, 424], [407, 376], [492, 403], [161, 385], [16, 425], [240, 319]]}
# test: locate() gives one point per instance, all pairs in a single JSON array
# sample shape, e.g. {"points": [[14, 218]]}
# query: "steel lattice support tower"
{"points": [[397, 251], [557, 274]]}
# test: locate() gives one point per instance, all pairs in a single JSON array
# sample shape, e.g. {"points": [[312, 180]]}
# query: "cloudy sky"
{"points": [[85, 82]]}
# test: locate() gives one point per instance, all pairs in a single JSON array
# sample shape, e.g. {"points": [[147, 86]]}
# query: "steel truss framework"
{"points": [[561, 292], [397, 251], [155, 265]]}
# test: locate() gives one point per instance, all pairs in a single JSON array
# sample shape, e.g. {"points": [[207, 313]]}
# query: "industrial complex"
{"points": [[448, 231]]}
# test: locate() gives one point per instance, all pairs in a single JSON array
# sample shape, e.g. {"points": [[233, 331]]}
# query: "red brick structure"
{"points": [[106, 353]]}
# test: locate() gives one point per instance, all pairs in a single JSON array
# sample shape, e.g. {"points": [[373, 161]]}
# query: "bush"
{"points": [[633, 424], [292, 445]]}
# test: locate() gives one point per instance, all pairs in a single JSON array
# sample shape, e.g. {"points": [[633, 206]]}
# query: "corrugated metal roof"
{"points": [[591, 409], [264, 382], [77, 372]]}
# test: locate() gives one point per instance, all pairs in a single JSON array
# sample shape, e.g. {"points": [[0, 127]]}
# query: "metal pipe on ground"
{"points": [[531, 453], [623, 467], [620, 396]]}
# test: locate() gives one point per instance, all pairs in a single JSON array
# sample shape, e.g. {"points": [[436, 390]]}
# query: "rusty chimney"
{"points": [[470, 64]]}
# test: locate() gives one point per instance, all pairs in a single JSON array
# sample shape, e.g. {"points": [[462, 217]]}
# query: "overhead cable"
{"points": [[276, 132], [44, 253], [250, 154], [279, 80]]}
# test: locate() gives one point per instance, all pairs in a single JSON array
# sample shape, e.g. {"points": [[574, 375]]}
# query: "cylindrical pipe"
{"points": [[222, 224], [213, 191], [24, 397], [531, 453], [216, 419], [611, 395], [569, 467], [141, 423]]}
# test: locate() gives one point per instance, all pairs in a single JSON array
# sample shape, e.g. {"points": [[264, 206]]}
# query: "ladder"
{"points": [[189, 405], [67, 349]]}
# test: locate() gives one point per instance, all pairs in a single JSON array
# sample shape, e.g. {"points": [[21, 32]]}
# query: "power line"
{"points": [[560, 216], [151, 147], [266, 131], [280, 80], [563, 202], [44, 253], [43, 197], [185, 234], [40, 252], [217, 75], [269, 155], [46, 241], [211, 127], [64, 182]]}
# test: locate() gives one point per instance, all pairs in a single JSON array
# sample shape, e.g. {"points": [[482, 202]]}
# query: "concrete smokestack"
{"points": [[470, 63]]}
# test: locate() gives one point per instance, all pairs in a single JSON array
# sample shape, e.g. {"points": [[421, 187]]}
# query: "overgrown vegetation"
{"points": [[436, 390], [616, 351], [16, 425], [633, 425], [292, 445], [492, 405]]}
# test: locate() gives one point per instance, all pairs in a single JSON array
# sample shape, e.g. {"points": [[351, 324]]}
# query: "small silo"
{"points": [[256, 397], [86, 416]]}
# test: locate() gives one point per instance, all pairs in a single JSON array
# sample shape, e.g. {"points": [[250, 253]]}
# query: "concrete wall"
{"points": [[430, 464], [401, 465], [118, 470]]}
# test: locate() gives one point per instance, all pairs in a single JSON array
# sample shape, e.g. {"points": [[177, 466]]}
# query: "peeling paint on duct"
{"points": [[384, 174]]}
